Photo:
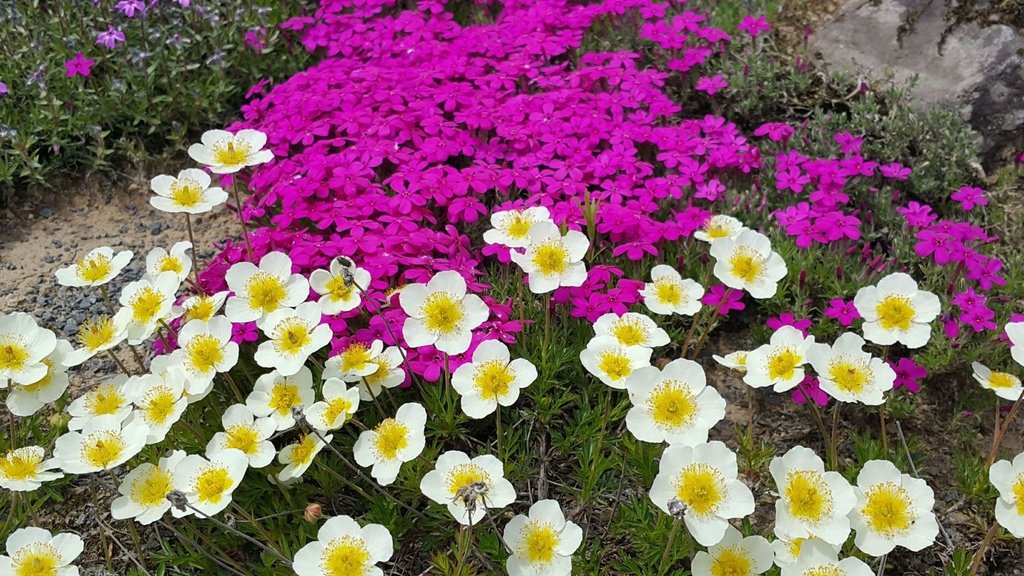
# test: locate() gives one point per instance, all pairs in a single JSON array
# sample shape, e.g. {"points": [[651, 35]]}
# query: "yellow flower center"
{"points": [[186, 192], [746, 264], [345, 556], [668, 291], [888, 509], [338, 290], [383, 368], [732, 561], [42, 382], [895, 313], [283, 397], [96, 333], [337, 407], [464, 475], [242, 437], [105, 399], [701, 487], [145, 305], [826, 570], [540, 540], [151, 490], [291, 336], [94, 268], [102, 449], [629, 332], [233, 152], [615, 364], [850, 376], [672, 405], [201, 308], [355, 357], [1018, 493], [169, 264], [204, 353], [266, 291], [1003, 380], [36, 560], [212, 484], [795, 545], [303, 451], [782, 363], [518, 225], [810, 498], [392, 437], [159, 404], [493, 379], [20, 464], [442, 313], [717, 229], [13, 352], [551, 258]]}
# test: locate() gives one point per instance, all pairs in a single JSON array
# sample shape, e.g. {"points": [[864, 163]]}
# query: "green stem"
{"points": [[985, 543], [497, 424], [547, 330], [195, 257], [241, 217], [676, 524], [1001, 431]]}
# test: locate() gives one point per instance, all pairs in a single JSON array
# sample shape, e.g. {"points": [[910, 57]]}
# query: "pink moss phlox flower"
{"points": [[917, 215], [969, 197], [848, 143], [712, 85], [809, 388], [753, 26], [776, 131], [131, 8], [78, 66], [244, 332], [723, 299], [3, 89], [788, 319], [950, 326], [842, 311], [109, 38], [895, 171], [908, 374]]}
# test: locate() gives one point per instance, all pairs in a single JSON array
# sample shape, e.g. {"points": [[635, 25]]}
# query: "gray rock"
{"points": [[979, 72]]}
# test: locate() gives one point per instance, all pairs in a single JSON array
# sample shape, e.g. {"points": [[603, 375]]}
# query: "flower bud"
{"points": [[313, 512]]}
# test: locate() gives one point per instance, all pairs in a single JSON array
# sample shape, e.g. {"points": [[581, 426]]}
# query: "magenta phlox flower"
{"points": [[842, 311], [754, 25], [79, 66], [723, 299], [109, 38], [809, 389], [788, 319], [776, 131], [908, 374], [712, 85], [969, 197]]}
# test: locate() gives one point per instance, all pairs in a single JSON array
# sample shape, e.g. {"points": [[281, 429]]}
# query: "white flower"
{"points": [[611, 362], [893, 509], [177, 261], [849, 374], [25, 469], [747, 262], [189, 193], [146, 303], [292, 336], [97, 335], [669, 293], [204, 350], [159, 403], [199, 307], [719, 226], [101, 445], [393, 442], [246, 433], [673, 404], [735, 556], [703, 478], [896, 311], [441, 313], [340, 288], [1008, 478], [106, 399], [260, 291], [734, 360], [542, 542], [373, 368], [811, 500], [298, 457], [275, 395], [144, 490], [23, 346], [36, 552], [552, 260], [1005, 385], [787, 547], [491, 379], [97, 268], [468, 487], [1015, 332], [631, 329], [511, 228], [342, 547], [227, 153], [338, 405], [780, 363], [819, 558], [208, 484], [27, 399]]}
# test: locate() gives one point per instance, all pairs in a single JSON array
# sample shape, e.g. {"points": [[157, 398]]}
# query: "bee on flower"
{"points": [[338, 405], [511, 228], [392, 442], [1008, 479], [298, 457], [144, 490], [669, 293], [96, 268], [293, 335], [441, 314], [209, 483], [811, 500], [492, 379], [849, 374], [106, 399], [780, 363], [719, 226], [672, 404], [227, 153], [263, 289], [23, 347], [102, 444], [25, 469], [176, 261], [188, 193], [340, 286], [1005, 385], [32, 551], [275, 395], [735, 556], [895, 310], [893, 509], [245, 432], [631, 329], [747, 262], [97, 335], [342, 546], [26, 399], [542, 541], [204, 350], [373, 367], [468, 487], [552, 260], [146, 304], [611, 362]]}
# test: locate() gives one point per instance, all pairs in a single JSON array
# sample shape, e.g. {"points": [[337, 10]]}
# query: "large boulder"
{"points": [[978, 71]]}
